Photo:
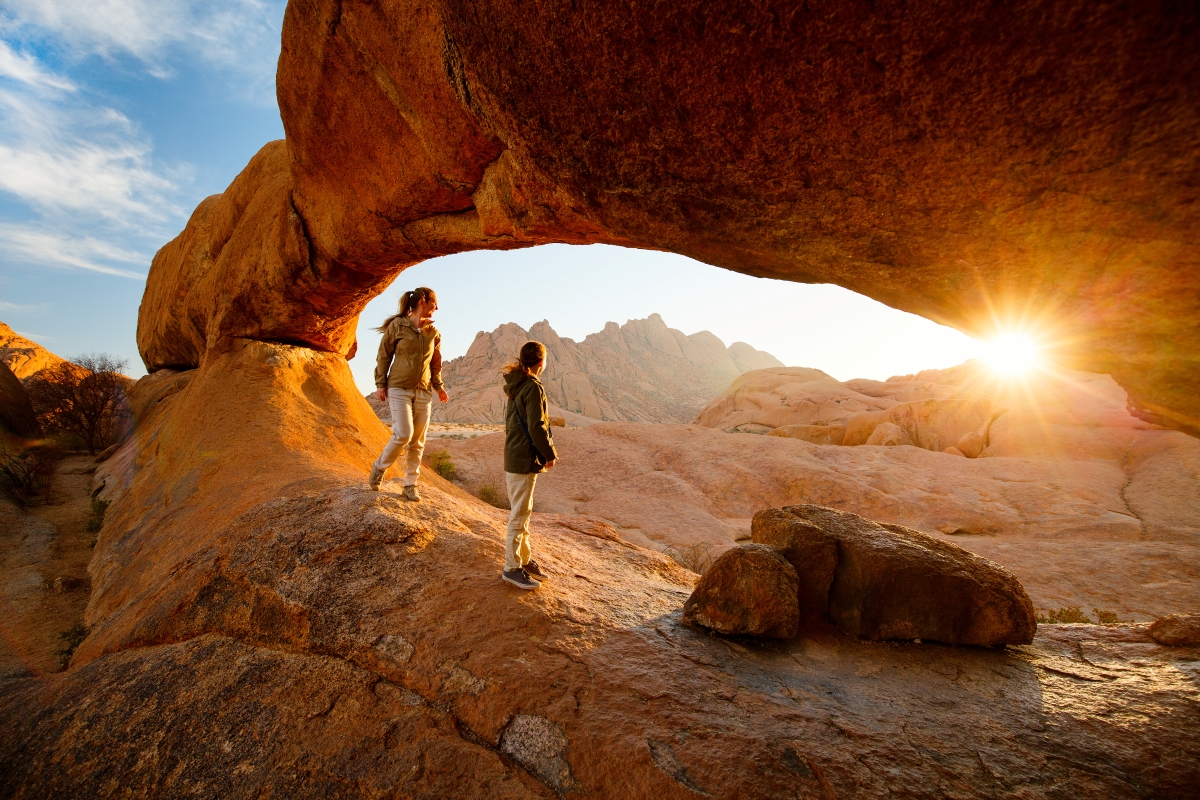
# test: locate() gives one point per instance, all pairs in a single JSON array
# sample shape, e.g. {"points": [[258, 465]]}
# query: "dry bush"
{"points": [[489, 494], [29, 472], [696, 557], [84, 401]]}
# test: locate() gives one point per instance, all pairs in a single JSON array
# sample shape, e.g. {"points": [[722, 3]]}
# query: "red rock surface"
{"points": [[262, 623], [1177, 630], [811, 553], [1026, 165]]}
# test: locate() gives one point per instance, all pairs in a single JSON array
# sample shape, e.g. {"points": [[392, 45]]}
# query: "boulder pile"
{"points": [[879, 582]]}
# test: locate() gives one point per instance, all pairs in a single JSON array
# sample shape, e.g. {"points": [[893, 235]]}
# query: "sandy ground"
{"points": [[44, 584]]}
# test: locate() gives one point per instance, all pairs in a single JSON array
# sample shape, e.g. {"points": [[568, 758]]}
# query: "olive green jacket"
{"points": [[525, 394], [409, 358]]}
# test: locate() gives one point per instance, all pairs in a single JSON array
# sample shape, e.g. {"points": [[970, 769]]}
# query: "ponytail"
{"points": [[409, 301], [531, 354]]}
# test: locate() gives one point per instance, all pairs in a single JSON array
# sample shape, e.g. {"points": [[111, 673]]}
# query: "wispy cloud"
{"points": [[51, 248], [24, 308], [94, 195], [238, 35]]}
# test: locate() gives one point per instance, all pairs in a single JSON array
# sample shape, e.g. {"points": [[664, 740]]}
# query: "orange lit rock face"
{"points": [[1032, 163]]}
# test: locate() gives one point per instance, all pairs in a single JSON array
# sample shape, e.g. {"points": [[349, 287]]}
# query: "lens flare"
{"points": [[1011, 353]]}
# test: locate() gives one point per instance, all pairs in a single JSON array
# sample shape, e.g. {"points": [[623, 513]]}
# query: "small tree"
{"points": [[85, 399]]}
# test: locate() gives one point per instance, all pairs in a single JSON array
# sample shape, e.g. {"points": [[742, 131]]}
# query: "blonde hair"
{"points": [[409, 301]]}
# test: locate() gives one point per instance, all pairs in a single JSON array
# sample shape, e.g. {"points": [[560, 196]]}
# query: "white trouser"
{"points": [[410, 419], [520, 500]]}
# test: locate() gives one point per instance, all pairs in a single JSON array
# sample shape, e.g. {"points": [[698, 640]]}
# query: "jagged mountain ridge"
{"points": [[641, 371]]}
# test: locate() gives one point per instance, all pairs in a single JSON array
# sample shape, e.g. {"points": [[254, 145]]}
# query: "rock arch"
{"points": [[970, 164]]}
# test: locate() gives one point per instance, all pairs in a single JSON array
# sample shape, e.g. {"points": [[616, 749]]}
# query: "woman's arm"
{"points": [[383, 360], [538, 420], [435, 369]]}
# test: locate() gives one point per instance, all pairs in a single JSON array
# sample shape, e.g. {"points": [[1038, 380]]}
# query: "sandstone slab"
{"points": [[892, 582]]}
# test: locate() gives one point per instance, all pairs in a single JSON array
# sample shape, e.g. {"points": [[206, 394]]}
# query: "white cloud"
{"points": [[242, 35], [26, 69], [51, 248], [21, 307]]}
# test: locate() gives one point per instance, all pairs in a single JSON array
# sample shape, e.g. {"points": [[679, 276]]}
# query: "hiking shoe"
{"points": [[376, 477], [411, 493], [532, 568], [519, 578]]}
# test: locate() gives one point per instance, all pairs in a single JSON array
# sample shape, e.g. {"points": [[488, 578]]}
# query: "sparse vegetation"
{"points": [[443, 465], [83, 402], [1075, 614], [489, 494], [71, 638], [96, 519], [29, 473], [696, 557]]}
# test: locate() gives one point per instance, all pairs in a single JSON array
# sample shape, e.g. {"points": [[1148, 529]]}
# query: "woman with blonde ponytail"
{"points": [[408, 370], [528, 451]]}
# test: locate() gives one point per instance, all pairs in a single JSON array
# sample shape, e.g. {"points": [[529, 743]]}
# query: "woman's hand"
{"points": [[445, 398], [550, 464], [381, 393]]}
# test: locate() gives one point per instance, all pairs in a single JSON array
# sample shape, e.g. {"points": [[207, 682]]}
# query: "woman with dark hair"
{"points": [[528, 451], [408, 370]]}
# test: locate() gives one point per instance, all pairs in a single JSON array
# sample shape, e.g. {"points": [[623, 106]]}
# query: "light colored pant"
{"points": [[520, 500], [410, 419]]}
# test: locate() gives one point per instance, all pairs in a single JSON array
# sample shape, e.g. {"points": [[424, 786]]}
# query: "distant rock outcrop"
{"points": [[24, 357], [16, 412], [641, 371]]}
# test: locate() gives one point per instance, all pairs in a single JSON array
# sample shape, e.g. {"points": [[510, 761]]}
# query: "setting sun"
{"points": [[1011, 353]]}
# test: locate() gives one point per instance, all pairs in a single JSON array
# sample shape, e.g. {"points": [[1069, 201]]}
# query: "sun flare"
{"points": [[1011, 353]]}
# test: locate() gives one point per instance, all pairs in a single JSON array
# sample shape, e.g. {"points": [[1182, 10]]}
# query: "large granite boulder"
{"points": [[749, 590], [811, 553], [893, 582]]}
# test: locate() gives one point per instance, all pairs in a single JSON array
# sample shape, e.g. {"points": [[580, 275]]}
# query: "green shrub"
{"points": [[97, 516], [1062, 615], [442, 465], [489, 494], [71, 637]]}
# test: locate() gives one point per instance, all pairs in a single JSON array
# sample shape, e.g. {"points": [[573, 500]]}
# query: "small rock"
{"points": [[540, 746], [558, 422], [888, 434], [1177, 630], [811, 553], [954, 451], [66, 583], [970, 444], [750, 589]]}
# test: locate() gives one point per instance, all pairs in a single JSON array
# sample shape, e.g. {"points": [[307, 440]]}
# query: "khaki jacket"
{"points": [[409, 358]]}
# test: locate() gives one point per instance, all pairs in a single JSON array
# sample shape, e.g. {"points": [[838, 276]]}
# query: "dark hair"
{"points": [[531, 354], [409, 301]]}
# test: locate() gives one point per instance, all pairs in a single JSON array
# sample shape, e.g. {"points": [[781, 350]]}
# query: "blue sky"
{"points": [[118, 116]]}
